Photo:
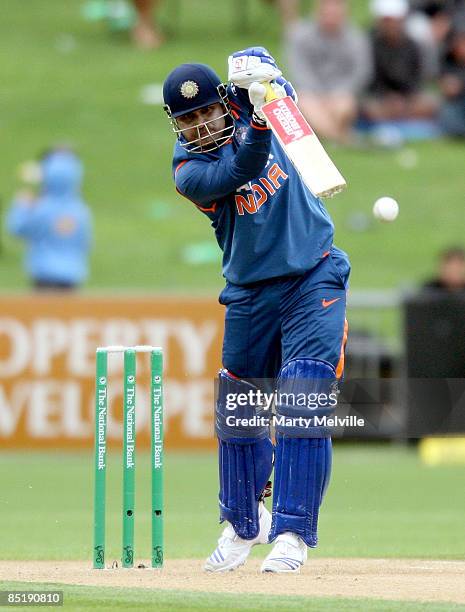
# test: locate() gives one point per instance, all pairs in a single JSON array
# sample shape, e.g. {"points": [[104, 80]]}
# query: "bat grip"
{"points": [[270, 93]]}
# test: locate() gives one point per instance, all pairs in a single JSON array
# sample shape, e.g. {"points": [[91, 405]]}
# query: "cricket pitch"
{"points": [[389, 579]]}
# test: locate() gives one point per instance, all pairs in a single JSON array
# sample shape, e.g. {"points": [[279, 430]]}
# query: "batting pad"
{"points": [[303, 450], [245, 469], [302, 471], [245, 457]]}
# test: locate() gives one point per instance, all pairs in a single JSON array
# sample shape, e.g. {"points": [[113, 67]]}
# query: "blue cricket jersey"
{"points": [[266, 221]]}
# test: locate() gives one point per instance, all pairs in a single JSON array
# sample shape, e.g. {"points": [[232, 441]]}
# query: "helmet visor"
{"points": [[207, 135]]}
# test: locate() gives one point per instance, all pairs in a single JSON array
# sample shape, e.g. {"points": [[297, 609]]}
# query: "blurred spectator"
{"points": [[428, 25], [56, 225], [146, 33], [452, 83], [289, 10], [397, 88], [451, 275], [329, 61]]}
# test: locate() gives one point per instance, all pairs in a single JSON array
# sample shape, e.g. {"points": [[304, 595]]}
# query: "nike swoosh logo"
{"points": [[325, 303]]}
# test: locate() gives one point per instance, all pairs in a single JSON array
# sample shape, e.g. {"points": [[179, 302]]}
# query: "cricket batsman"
{"points": [[285, 299]]}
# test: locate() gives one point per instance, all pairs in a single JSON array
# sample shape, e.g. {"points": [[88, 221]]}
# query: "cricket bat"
{"points": [[302, 146]]}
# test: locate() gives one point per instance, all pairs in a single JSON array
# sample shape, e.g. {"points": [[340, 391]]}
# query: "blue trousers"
{"points": [[270, 322]]}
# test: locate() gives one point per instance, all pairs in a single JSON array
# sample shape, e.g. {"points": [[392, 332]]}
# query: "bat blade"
{"points": [[303, 148]]}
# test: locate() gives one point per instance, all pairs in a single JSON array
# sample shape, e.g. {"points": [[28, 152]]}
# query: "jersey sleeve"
{"points": [[239, 100], [204, 181]]}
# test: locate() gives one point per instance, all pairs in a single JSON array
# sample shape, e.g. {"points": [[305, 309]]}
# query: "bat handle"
{"points": [[270, 92]]}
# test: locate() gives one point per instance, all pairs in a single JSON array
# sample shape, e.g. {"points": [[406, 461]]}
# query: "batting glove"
{"points": [[285, 88], [258, 95], [252, 65]]}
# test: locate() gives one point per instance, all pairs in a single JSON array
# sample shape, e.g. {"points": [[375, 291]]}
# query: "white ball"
{"points": [[386, 209]]}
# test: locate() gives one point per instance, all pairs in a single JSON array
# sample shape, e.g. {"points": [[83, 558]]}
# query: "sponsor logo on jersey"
{"points": [[241, 132]]}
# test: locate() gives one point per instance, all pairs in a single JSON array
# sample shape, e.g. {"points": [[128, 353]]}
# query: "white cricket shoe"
{"points": [[288, 555], [232, 551]]}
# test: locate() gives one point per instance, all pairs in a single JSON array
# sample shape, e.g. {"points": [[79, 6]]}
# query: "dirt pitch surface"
{"points": [[398, 579]]}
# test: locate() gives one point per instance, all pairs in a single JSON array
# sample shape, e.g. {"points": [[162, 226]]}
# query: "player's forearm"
{"points": [[253, 153], [206, 182]]}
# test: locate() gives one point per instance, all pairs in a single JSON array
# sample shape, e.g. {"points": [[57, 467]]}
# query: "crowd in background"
{"points": [[408, 71], [450, 275]]}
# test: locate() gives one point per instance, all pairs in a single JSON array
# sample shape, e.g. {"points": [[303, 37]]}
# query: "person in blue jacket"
{"points": [[285, 299], [56, 225]]}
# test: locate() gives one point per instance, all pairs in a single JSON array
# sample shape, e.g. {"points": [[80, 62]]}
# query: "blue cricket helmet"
{"points": [[190, 87]]}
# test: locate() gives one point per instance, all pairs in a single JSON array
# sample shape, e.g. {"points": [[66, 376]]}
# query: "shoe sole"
{"points": [[214, 570], [223, 569], [284, 571]]}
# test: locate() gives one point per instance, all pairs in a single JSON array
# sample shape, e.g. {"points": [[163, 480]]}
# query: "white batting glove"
{"points": [[258, 96], [244, 69]]}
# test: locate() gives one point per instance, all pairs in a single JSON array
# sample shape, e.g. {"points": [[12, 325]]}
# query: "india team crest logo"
{"points": [[241, 132], [189, 89]]}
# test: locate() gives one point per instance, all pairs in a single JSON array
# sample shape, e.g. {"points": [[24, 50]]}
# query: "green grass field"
{"points": [[106, 600], [65, 78], [382, 502]]}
